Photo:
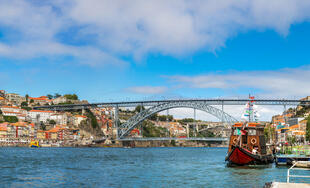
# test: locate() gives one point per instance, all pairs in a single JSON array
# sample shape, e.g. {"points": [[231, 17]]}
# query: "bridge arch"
{"points": [[125, 128]]}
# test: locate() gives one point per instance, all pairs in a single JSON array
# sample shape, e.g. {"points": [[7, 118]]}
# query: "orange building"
{"points": [[3, 131], [41, 100], [2, 101], [281, 119]]}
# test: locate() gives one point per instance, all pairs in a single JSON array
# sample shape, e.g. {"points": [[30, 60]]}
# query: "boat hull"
{"points": [[239, 156], [289, 159]]}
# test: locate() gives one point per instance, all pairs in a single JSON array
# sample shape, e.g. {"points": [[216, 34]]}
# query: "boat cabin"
{"points": [[250, 138]]}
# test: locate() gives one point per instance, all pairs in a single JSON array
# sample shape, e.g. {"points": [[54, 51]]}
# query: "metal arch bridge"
{"points": [[160, 105], [283, 102], [125, 128]]}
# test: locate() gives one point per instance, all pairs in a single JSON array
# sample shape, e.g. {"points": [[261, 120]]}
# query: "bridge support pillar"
{"points": [[141, 125], [167, 120], [187, 130], [195, 123], [222, 114], [83, 111], [285, 118]]}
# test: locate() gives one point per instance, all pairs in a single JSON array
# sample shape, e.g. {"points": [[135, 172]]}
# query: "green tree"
{"points": [[26, 108], [31, 101], [172, 142], [150, 130], [56, 95], [165, 117], [24, 104], [10, 119], [27, 97], [49, 96], [71, 96], [0, 112], [266, 133], [138, 108], [205, 133], [92, 118], [154, 117], [186, 120], [52, 122], [42, 126]]}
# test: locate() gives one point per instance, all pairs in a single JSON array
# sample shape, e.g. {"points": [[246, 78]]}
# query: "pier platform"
{"points": [[289, 185]]}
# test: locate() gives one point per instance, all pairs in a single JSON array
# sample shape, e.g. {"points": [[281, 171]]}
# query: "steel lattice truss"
{"points": [[125, 128], [157, 102]]}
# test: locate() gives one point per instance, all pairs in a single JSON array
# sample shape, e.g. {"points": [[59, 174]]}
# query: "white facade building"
{"points": [[59, 118], [39, 115], [61, 99], [78, 119]]}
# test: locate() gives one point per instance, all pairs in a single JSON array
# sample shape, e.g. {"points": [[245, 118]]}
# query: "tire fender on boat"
{"points": [[235, 141], [253, 141]]}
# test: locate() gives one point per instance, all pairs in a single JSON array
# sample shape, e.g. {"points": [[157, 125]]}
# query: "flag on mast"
{"points": [[250, 111]]}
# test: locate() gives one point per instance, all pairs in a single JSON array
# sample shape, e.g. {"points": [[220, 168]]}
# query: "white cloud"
{"points": [[179, 26], [236, 111], [135, 28], [84, 54], [276, 84], [147, 90]]}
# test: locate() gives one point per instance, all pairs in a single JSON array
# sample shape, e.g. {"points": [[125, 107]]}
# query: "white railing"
{"points": [[296, 176]]}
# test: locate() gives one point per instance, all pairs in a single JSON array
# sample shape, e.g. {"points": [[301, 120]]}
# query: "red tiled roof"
{"points": [[41, 111], [135, 131], [80, 116], [11, 112], [54, 130], [10, 107]]}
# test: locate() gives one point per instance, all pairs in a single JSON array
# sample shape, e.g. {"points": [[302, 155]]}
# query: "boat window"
{"points": [[252, 132]]}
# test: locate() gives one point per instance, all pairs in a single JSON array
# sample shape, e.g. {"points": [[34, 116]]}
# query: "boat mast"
{"points": [[251, 108]]}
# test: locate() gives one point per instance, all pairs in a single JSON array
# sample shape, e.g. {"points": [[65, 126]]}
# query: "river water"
{"points": [[134, 167]]}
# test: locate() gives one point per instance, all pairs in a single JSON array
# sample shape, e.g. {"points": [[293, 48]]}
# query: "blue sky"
{"points": [[105, 50]]}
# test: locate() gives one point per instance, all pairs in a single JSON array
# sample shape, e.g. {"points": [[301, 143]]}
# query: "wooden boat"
{"points": [[34, 144], [247, 145]]}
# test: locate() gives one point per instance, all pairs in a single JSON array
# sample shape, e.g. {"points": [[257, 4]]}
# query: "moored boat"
{"points": [[34, 144], [290, 159], [247, 145]]}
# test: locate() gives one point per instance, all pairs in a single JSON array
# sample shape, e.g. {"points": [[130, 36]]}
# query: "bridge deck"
{"points": [[156, 102]]}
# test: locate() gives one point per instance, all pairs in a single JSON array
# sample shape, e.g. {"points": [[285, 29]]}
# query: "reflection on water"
{"points": [[136, 167]]}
